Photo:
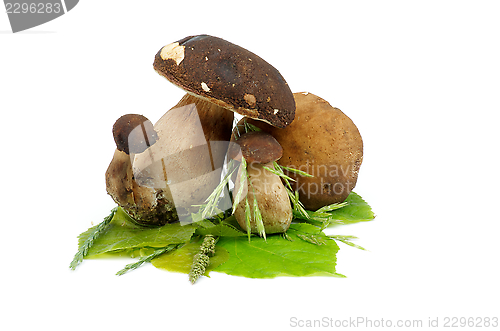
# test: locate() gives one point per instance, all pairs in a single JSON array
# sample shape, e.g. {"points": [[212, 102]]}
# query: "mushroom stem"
{"points": [[272, 199], [185, 165], [119, 179]]}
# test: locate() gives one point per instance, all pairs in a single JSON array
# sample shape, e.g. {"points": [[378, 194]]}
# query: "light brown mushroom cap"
{"points": [[229, 76], [255, 147], [322, 141]]}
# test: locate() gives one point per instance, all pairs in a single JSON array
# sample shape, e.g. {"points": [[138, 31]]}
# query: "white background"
{"points": [[421, 80]]}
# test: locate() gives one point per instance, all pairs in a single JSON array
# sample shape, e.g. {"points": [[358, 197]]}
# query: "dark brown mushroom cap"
{"points": [[229, 76], [133, 133], [256, 147]]}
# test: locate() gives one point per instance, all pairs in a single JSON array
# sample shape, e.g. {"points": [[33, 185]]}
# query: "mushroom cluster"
{"points": [[161, 183], [163, 173]]}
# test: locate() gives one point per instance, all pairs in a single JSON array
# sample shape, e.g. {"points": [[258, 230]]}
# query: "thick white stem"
{"points": [[272, 199]]}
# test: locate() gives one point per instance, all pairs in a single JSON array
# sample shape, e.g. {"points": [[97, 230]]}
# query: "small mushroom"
{"points": [[323, 142], [260, 150], [256, 147], [134, 134]]}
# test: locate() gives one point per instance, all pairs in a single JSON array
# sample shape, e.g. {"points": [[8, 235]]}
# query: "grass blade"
{"points": [[243, 183], [258, 218], [297, 171], [278, 173], [214, 198], [251, 127], [297, 205], [346, 240], [84, 249], [145, 259], [248, 216], [332, 207]]}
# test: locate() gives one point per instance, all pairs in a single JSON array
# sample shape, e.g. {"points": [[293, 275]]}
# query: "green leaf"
{"points": [[279, 256], [303, 251], [201, 223], [353, 210], [221, 230], [356, 211], [304, 228], [122, 234], [309, 233], [181, 259]]}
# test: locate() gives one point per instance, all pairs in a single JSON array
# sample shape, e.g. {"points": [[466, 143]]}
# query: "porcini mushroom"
{"points": [[220, 78], [134, 134], [229, 76], [323, 142], [260, 150]]}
